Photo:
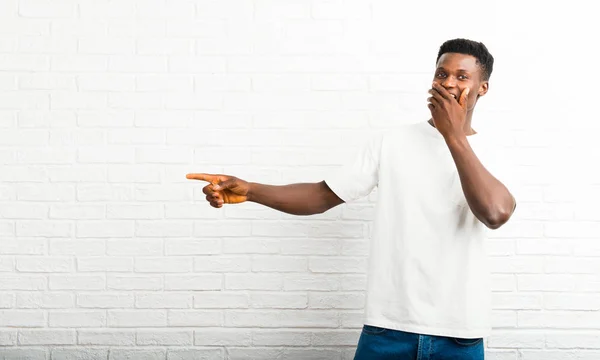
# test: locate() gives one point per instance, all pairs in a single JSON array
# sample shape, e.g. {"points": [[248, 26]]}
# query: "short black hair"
{"points": [[473, 48]]}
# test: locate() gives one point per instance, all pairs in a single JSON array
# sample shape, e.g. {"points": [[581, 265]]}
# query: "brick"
{"points": [[47, 337], [310, 247], [22, 318], [222, 264], [337, 265], [165, 83], [44, 228], [77, 100], [77, 173], [221, 300], [504, 319], [107, 154], [106, 337], [580, 354], [23, 211], [571, 265], [76, 282], [516, 301], [45, 264], [134, 174], [47, 9], [224, 228], [163, 119], [24, 353], [137, 318], [131, 354], [253, 281], [46, 192], [7, 228], [163, 301], [195, 318], [297, 229], [23, 246], [106, 9], [106, 45], [571, 302], [77, 318], [197, 64], [195, 354], [278, 300], [77, 211], [353, 282], [164, 228], [104, 264], [106, 82], [104, 119], [514, 339], [105, 300], [281, 318], [78, 63], [8, 338], [104, 229], [134, 282], [267, 337], [190, 211], [78, 353], [279, 264], [79, 247], [164, 155], [22, 282], [543, 247], [137, 64], [516, 264], [545, 282], [223, 337], [336, 300], [165, 337], [162, 193], [311, 282], [27, 62], [137, 247], [163, 265], [7, 301], [192, 247], [45, 81]]}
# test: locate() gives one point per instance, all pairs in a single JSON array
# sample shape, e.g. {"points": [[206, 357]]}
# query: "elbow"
{"points": [[497, 219]]}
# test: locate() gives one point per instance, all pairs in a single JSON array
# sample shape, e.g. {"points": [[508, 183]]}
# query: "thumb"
{"points": [[463, 98], [224, 184]]}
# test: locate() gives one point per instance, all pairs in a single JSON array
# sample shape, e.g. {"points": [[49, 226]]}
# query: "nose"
{"points": [[449, 82]]}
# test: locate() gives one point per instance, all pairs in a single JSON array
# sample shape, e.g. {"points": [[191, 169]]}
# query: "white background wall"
{"points": [[106, 250]]}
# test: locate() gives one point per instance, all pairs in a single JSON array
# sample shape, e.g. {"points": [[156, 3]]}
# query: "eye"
{"points": [[462, 77], [441, 75]]}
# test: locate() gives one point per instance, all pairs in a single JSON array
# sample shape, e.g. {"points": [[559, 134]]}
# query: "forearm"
{"points": [[296, 199], [490, 201]]}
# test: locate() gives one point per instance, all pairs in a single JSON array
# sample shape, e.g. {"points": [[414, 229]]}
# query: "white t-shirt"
{"points": [[427, 269]]}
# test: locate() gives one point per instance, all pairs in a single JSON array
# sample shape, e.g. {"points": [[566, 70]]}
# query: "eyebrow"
{"points": [[459, 70]]}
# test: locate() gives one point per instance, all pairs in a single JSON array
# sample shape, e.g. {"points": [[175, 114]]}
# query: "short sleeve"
{"points": [[359, 176]]}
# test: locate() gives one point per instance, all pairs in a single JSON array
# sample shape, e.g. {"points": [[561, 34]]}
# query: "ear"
{"points": [[483, 88]]}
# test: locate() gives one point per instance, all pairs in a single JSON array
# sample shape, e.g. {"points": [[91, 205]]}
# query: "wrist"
{"points": [[251, 191], [454, 139]]}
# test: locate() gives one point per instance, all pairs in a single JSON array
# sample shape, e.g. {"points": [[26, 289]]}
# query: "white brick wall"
{"points": [[108, 252]]}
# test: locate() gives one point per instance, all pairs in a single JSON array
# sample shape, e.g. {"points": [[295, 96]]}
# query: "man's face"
{"points": [[455, 72]]}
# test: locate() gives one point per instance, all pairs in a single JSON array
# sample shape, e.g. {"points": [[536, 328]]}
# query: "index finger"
{"points": [[204, 177]]}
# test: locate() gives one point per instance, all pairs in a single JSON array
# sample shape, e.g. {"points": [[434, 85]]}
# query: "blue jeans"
{"points": [[377, 343]]}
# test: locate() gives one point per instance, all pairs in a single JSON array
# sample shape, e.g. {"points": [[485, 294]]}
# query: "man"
{"points": [[428, 294]]}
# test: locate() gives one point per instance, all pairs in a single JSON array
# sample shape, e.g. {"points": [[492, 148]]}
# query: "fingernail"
{"points": [[216, 187]]}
